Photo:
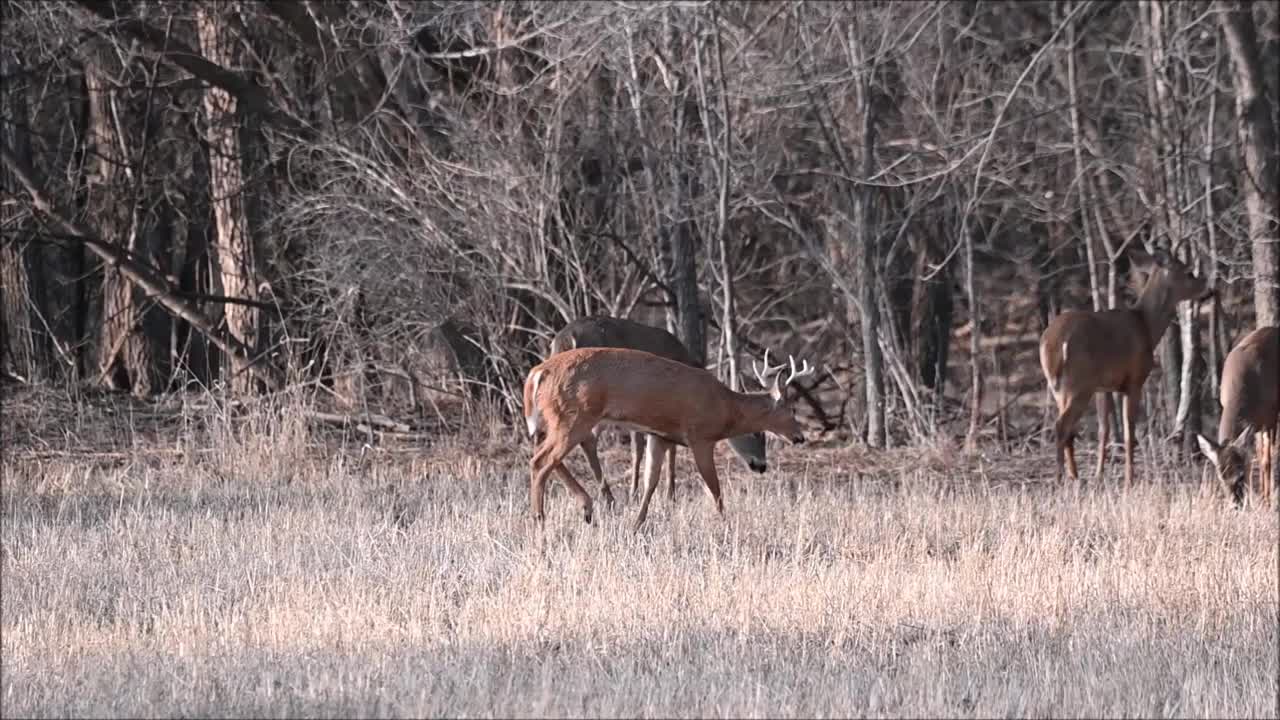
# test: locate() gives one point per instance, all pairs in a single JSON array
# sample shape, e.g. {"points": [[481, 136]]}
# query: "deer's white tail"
{"points": [[1062, 368], [532, 418]]}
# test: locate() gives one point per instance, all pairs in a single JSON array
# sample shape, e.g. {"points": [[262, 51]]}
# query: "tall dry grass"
{"points": [[246, 571]]}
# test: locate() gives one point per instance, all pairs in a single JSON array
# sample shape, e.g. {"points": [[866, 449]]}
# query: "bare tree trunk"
{"points": [[1188, 416], [234, 244], [877, 433], [975, 345], [124, 352], [684, 281], [1164, 187], [728, 325], [1257, 133], [651, 200], [1077, 152], [17, 349], [931, 304], [1170, 181], [20, 261], [1211, 232], [684, 246], [728, 333]]}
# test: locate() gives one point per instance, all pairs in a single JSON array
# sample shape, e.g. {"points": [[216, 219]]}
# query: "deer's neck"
{"points": [[1156, 306], [752, 413], [1228, 424]]}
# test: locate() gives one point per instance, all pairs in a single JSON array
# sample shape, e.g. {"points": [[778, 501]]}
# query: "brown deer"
{"points": [[1250, 398], [572, 392], [1083, 352], [605, 331]]}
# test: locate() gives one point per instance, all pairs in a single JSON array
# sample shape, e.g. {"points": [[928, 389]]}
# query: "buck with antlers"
{"points": [[1083, 353], [604, 331], [1250, 398], [572, 392]]}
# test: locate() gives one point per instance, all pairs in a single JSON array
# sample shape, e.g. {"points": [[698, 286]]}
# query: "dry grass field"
{"points": [[248, 569]]}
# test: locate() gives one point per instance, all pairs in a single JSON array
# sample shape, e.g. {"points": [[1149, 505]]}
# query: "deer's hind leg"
{"points": [[1070, 409], [561, 438], [1132, 407]]}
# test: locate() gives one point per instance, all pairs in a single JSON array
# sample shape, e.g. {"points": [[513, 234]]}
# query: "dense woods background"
{"points": [[393, 205]]}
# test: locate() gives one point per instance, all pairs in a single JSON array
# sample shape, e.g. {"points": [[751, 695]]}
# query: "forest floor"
{"points": [[243, 567]]}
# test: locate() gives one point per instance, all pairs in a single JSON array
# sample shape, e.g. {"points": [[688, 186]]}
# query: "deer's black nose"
{"points": [[758, 466], [797, 439]]}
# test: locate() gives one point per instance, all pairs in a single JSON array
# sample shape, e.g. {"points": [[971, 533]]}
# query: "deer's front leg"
{"points": [[671, 473], [1131, 400], [637, 454], [705, 457], [592, 451], [655, 448], [1104, 425], [576, 489]]}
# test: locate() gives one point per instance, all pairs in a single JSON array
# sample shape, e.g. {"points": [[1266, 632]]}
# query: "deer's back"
{"points": [[1250, 389], [602, 331], [1107, 350]]}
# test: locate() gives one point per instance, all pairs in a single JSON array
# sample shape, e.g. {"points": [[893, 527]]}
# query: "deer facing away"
{"points": [[572, 392], [1250, 398], [1088, 352], [605, 331]]}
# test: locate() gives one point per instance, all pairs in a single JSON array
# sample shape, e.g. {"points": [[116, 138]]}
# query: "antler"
{"points": [[763, 375], [805, 370]]}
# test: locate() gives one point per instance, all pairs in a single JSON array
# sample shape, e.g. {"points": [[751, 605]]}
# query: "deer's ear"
{"points": [[1243, 438], [1208, 447]]}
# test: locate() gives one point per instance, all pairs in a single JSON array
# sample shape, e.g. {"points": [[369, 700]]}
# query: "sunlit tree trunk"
{"points": [[234, 242], [1257, 132], [684, 241], [18, 346], [124, 353], [864, 227]]}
